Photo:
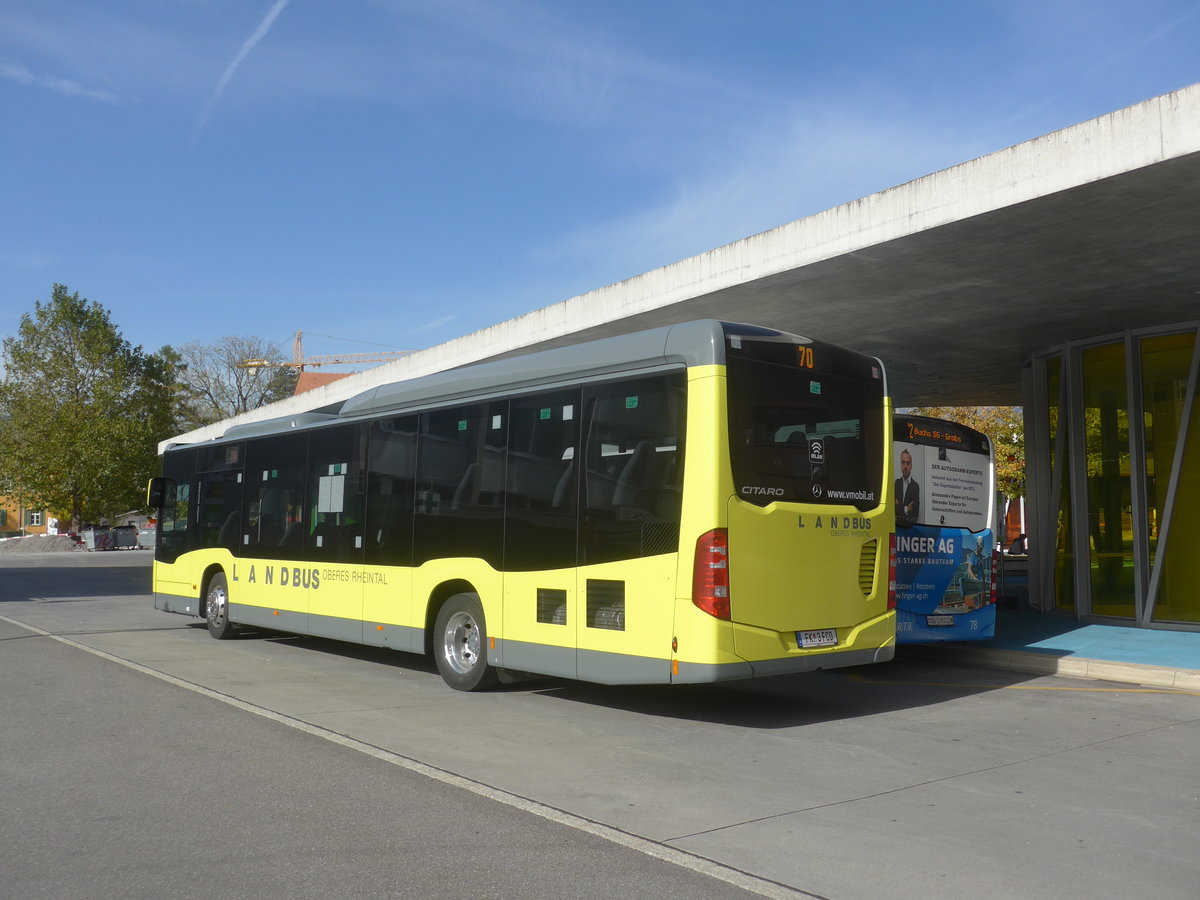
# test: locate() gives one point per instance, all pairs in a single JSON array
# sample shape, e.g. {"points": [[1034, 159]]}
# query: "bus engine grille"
{"points": [[866, 566]]}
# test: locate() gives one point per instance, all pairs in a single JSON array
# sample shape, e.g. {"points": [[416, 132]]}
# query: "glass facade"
{"points": [[1109, 505], [1119, 503], [1166, 365]]}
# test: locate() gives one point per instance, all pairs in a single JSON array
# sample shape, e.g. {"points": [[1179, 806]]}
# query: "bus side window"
{"points": [[219, 510], [633, 478], [391, 465], [274, 515], [460, 483], [335, 495], [541, 487]]}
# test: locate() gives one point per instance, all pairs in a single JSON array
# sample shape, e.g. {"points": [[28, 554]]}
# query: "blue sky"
{"points": [[401, 172]]}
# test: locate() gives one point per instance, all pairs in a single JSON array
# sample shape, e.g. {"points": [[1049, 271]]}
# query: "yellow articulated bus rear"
{"points": [[788, 511], [695, 503]]}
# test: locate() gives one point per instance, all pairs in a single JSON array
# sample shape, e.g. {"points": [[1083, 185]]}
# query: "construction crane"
{"points": [[300, 362]]}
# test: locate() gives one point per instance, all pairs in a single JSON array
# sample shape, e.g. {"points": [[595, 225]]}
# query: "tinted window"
{"points": [[460, 483], [275, 474], [805, 434], [542, 481], [220, 456], [391, 459], [634, 468], [218, 510], [334, 512]]}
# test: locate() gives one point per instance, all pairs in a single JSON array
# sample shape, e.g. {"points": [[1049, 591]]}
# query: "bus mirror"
{"points": [[156, 493]]}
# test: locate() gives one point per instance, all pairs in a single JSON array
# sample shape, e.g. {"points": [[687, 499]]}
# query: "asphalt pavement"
{"points": [[121, 785]]}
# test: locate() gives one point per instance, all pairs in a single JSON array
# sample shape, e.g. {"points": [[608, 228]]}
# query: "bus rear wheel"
{"points": [[460, 644], [216, 608]]}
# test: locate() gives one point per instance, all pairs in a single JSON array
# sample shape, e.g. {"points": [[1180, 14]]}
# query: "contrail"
{"points": [[259, 33]]}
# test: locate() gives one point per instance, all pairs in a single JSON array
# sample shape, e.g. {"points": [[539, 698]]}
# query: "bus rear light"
{"points": [[891, 571], [710, 574]]}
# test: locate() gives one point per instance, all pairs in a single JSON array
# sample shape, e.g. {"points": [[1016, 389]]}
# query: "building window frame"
{"points": [[1045, 480]]}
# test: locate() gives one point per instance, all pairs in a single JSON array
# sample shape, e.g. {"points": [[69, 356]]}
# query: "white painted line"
{"points": [[699, 864]]}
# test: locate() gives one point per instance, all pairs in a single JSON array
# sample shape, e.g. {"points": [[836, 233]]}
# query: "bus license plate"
{"points": [[824, 637], [939, 620]]}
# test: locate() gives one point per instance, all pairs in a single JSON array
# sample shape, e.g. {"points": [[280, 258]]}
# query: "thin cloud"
{"points": [[436, 323], [65, 86], [259, 33]]}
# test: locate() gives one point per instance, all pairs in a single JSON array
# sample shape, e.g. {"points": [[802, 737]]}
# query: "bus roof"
{"points": [[696, 343]]}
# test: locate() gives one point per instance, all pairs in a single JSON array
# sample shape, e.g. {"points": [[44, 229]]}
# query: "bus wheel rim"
{"points": [[461, 642], [216, 607]]}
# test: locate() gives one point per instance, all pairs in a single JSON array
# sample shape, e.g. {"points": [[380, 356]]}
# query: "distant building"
{"points": [[17, 519], [311, 380]]}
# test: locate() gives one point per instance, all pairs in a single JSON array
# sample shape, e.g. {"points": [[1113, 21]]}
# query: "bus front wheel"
{"points": [[460, 644], [216, 608]]}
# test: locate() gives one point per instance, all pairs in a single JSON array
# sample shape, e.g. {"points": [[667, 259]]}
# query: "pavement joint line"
{"points": [[702, 865]]}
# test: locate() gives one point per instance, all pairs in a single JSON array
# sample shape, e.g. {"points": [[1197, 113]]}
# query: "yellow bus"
{"points": [[694, 503]]}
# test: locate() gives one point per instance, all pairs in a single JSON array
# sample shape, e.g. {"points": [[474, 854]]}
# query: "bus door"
{"points": [[631, 500], [272, 539], [542, 609], [334, 533], [173, 584], [218, 492], [388, 535]]}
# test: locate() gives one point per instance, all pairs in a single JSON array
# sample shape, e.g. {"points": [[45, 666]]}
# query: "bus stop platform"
{"points": [[1049, 644]]}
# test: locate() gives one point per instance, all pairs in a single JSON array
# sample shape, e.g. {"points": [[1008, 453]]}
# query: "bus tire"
{"points": [[460, 644], [216, 608]]}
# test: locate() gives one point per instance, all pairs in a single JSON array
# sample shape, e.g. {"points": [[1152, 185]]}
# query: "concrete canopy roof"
{"points": [[953, 280]]}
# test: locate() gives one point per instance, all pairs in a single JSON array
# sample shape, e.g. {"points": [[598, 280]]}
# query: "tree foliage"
{"points": [[216, 385], [81, 411], [1005, 426]]}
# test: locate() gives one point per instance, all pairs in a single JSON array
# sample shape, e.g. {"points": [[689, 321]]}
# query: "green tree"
{"points": [[1005, 426], [82, 410], [217, 383]]}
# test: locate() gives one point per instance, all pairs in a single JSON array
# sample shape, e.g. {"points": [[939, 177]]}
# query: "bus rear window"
{"points": [[805, 435]]}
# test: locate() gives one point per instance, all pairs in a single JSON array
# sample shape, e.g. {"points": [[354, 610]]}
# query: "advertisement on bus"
{"points": [[945, 484]]}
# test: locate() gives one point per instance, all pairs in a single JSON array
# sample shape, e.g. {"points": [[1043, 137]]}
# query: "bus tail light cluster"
{"points": [[710, 574], [892, 571]]}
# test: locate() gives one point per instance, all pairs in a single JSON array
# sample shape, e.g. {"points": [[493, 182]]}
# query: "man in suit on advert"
{"points": [[908, 492]]}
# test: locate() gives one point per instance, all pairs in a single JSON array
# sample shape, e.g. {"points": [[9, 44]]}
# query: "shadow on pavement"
{"points": [[72, 583], [788, 701], [769, 703]]}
